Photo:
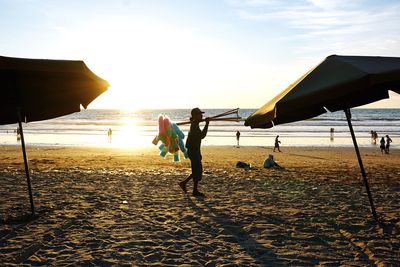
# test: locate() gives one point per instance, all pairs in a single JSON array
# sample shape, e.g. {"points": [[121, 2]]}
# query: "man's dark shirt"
{"points": [[195, 135]]}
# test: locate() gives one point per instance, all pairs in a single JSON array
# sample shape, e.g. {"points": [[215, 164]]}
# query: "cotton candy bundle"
{"points": [[171, 138]]}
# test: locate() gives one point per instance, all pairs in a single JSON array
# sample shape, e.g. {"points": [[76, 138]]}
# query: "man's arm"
{"points": [[205, 129]]}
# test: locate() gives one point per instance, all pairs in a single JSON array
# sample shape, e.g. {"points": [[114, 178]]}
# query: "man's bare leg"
{"points": [[183, 183]]}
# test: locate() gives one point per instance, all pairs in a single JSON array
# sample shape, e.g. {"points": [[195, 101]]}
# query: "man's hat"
{"points": [[196, 111]]}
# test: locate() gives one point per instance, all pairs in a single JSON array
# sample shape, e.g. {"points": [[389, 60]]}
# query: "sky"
{"points": [[205, 53]]}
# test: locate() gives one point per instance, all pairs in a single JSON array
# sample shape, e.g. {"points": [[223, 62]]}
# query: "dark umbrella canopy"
{"points": [[337, 83], [45, 89], [41, 89]]}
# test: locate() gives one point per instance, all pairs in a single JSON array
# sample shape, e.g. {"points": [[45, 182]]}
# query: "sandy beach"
{"points": [[102, 207]]}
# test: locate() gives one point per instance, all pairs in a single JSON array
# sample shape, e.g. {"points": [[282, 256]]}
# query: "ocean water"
{"points": [[138, 128]]}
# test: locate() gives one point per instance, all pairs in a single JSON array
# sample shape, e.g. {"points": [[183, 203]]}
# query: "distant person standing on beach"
{"points": [[388, 141], [332, 133], [382, 146], [277, 142], [18, 134], [193, 144], [109, 134], [237, 137], [375, 137]]}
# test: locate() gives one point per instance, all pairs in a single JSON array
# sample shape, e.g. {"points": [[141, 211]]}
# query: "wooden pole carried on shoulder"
{"points": [[226, 113], [218, 117]]}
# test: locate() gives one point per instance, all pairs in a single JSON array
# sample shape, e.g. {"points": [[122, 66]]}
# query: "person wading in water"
{"points": [[193, 144]]}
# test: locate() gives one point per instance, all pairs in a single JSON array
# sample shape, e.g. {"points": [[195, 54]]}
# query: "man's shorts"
{"points": [[197, 167]]}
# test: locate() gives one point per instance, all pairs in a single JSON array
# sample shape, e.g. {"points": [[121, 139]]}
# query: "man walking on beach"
{"points": [[277, 142], [237, 137], [193, 144]]}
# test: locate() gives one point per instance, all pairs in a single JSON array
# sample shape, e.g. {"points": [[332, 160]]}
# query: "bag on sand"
{"points": [[244, 165]]}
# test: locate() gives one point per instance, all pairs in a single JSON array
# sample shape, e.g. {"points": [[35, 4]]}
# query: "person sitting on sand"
{"points": [[388, 141], [270, 162], [382, 146], [193, 144], [277, 142]]}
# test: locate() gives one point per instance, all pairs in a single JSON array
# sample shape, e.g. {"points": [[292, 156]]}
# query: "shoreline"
{"points": [[111, 147]]}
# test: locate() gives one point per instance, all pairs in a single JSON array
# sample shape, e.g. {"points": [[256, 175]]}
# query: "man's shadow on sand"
{"points": [[260, 254]]}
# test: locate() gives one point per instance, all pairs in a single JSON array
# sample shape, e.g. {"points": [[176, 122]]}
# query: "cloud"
{"points": [[317, 14], [334, 25], [329, 4], [253, 3]]}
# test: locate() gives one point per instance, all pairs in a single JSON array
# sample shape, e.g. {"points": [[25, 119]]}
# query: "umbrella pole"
{"points": [[28, 178], [371, 202]]}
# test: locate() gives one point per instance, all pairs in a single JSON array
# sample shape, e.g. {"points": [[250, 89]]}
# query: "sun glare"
{"points": [[129, 136], [153, 65]]}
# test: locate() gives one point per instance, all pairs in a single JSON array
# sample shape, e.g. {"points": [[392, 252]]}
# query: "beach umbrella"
{"points": [[337, 83], [41, 89]]}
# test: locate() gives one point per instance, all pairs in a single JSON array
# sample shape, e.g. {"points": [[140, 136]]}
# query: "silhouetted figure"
{"points": [[193, 144], [388, 141], [109, 134], [332, 133], [237, 137], [382, 146], [18, 134], [270, 162], [374, 137], [277, 142]]}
